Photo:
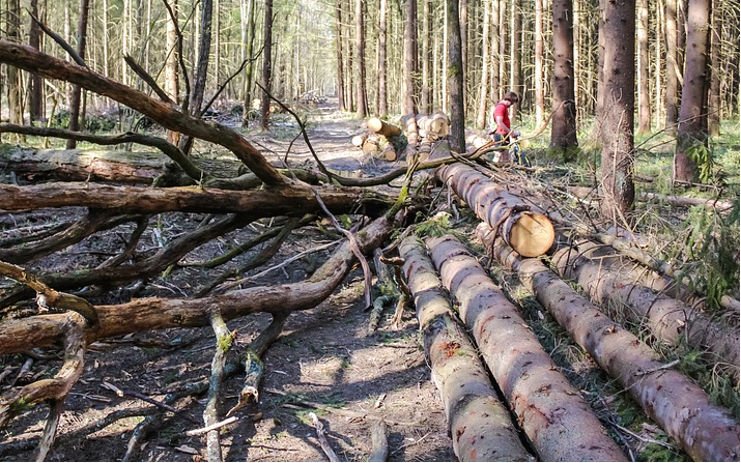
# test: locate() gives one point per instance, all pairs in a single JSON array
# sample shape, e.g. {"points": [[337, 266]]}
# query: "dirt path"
{"points": [[324, 361]]}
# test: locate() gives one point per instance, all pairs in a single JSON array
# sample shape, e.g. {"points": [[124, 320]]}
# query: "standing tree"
{"points": [[382, 92], [410, 57], [250, 49], [538, 77], [515, 67], [616, 117], [338, 48], [172, 78], [671, 71], [484, 89], [692, 128], [714, 107], [361, 94], [74, 110], [425, 91], [563, 129], [35, 82], [644, 108], [266, 64], [455, 79], [204, 49]]}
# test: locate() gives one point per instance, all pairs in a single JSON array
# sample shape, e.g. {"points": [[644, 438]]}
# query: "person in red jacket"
{"points": [[499, 124]]}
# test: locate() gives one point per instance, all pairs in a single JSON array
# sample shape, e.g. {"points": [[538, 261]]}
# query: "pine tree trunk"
{"points": [[714, 107], [644, 107], [15, 103], [515, 67], [502, 34], [382, 59], [204, 49], [671, 72], [426, 94], [74, 110], [484, 90], [455, 79], [538, 77], [36, 84], [172, 76], [496, 52], [338, 49], [463, 15], [266, 64], [361, 97], [617, 108], [691, 131], [563, 128], [410, 61], [247, 105]]}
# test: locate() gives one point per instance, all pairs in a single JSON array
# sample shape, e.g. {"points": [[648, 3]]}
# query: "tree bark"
{"points": [[523, 226], [563, 128], [172, 76], [616, 118], [671, 71], [382, 65], [74, 110], [35, 83], [644, 96], [455, 79], [515, 63], [710, 434], [692, 128], [538, 77], [267, 48], [426, 56], [249, 73], [485, 63], [550, 411], [714, 106], [479, 423], [410, 58], [361, 92], [200, 76], [338, 48]]}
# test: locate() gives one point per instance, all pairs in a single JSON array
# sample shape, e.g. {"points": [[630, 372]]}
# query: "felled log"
{"points": [[552, 413], [369, 144], [708, 433], [283, 201], [393, 134], [119, 166], [477, 421], [603, 277], [433, 127], [520, 223]]}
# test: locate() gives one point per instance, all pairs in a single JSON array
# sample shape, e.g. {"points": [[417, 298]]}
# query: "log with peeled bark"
{"points": [[383, 128], [273, 202], [605, 277], [477, 421], [707, 433], [550, 411], [519, 222]]}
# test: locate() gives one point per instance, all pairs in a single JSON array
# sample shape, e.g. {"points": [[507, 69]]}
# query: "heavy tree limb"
{"points": [[675, 402], [552, 413], [29, 59], [477, 421]]}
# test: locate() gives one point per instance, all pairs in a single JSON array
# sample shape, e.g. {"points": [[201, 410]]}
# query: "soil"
{"points": [[325, 360]]}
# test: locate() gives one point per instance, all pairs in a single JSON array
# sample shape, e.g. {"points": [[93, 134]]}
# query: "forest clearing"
{"points": [[369, 230]]}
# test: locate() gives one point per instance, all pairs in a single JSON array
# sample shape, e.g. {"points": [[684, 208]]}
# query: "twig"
{"points": [[50, 429], [57, 38], [184, 73], [211, 427], [410, 444], [226, 82], [659, 368], [353, 246], [144, 75], [322, 438]]}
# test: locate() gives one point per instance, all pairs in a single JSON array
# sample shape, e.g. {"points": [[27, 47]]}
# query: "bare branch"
{"points": [[144, 75]]}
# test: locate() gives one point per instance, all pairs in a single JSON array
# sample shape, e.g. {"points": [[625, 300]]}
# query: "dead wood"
{"points": [[29, 59], [379, 441], [603, 278], [224, 339], [157, 313], [50, 429], [477, 421], [322, 438], [93, 222], [708, 433], [552, 413], [519, 222], [266, 203]]}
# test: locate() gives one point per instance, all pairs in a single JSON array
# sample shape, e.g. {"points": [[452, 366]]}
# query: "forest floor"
{"points": [[325, 360]]}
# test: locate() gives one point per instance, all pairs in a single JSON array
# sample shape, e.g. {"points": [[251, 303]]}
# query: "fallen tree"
{"points": [[478, 423], [707, 433], [552, 413], [519, 222]]}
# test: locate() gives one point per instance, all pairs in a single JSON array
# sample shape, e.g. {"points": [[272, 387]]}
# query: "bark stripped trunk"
{"points": [[563, 128], [692, 128], [616, 117], [455, 79], [523, 226], [74, 110], [479, 424], [709, 434], [551, 412]]}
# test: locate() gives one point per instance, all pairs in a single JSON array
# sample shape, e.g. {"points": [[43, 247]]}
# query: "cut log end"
{"points": [[532, 235], [380, 127]]}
